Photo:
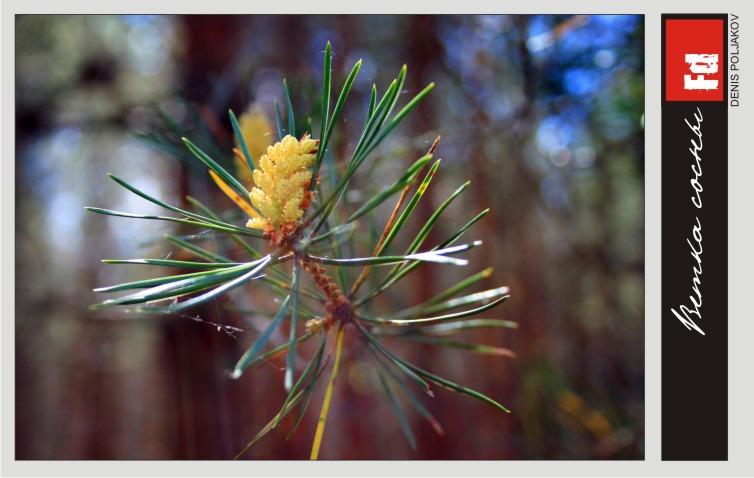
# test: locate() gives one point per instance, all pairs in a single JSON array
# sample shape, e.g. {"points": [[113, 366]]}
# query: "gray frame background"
{"points": [[741, 259]]}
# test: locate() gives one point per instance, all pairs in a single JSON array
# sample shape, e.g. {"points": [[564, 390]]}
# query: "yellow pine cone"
{"points": [[282, 183]]}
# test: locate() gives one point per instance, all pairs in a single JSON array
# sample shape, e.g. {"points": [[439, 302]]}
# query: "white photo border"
{"points": [[741, 262]]}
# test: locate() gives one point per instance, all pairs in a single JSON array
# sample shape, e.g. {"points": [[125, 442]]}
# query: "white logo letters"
{"points": [[700, 65]]}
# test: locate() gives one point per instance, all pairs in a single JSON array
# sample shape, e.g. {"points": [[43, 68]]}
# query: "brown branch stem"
{"points": [[338, 307]]}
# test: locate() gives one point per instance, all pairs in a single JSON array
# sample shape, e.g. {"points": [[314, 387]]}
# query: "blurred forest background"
{"points": [[544, 114]]}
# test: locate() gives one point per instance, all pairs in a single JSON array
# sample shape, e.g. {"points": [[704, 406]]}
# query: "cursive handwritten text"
{"points": [[686, 314]]}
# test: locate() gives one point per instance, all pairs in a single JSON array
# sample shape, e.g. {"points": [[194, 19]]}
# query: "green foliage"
{"points": [[324, 239]]}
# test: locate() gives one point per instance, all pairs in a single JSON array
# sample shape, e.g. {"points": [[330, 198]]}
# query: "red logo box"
{"points": [[694, 60]]}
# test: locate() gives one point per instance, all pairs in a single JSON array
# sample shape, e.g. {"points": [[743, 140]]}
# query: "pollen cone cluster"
{"points": [[282, 182]]}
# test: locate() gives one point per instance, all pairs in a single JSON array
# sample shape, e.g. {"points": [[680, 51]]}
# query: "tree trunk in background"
{"points": [[193, 352]]}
